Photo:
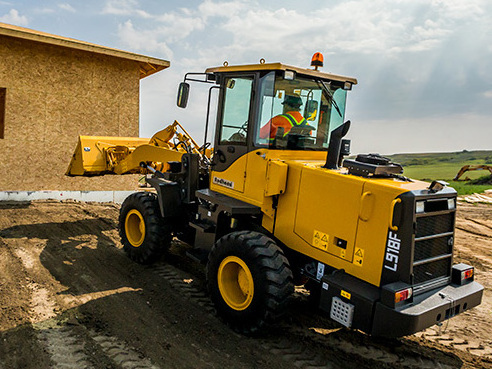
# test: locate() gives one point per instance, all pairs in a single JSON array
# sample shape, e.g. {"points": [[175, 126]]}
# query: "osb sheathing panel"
{"points": [[55, 94]]}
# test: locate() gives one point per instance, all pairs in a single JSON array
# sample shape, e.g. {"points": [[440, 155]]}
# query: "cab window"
{"points": [[236, 108], [298, 114]]}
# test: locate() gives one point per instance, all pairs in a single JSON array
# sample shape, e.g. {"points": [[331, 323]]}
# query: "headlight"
{"points": [[420, 207]]}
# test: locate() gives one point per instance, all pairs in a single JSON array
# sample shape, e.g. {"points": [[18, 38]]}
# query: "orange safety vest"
{"points": [[287, 121]]}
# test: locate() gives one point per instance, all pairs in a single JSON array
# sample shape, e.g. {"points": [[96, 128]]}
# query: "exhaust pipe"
{"points": [[333, 156]]}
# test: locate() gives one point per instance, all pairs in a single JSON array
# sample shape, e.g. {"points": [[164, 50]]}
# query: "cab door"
{"points": [[235, 118]]}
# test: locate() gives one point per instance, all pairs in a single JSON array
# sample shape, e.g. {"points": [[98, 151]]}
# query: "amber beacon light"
{"points": [[317, 60]]}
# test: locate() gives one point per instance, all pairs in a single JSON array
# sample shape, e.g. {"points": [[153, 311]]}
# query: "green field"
{"points": [[444, 166]]}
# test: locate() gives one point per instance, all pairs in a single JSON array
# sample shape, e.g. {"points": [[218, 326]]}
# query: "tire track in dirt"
{"points": [[475, 347], [66, 347], [481, 223], [120, 354], [182, 282], [471, 231], [295, 352], [379, 356], [300, 355]]}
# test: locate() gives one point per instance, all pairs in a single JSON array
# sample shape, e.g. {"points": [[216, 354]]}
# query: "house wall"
{"points": [[52, 95]]}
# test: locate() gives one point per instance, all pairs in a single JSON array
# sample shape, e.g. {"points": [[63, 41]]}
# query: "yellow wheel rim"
{"points": [[135, 228], [235, 283]]}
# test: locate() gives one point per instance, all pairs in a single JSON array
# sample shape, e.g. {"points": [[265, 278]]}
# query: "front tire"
{"points": [[144, 234], [249, 280]]}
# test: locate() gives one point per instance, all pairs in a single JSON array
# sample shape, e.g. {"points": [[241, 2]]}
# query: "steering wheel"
{"points": [[240, 135]]}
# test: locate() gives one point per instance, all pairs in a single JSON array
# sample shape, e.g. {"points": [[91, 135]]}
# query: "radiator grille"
{"points": [[426, 272], [437, 229], [429, 225], [426, 249]]}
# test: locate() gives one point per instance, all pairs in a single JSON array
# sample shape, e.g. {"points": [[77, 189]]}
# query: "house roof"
{"points": [[148, 65]]}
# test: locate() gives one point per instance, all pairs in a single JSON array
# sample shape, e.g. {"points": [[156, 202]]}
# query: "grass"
{"points": [[445, 166]]}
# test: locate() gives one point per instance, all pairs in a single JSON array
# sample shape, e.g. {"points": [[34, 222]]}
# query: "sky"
{"points": [[424, 67]]}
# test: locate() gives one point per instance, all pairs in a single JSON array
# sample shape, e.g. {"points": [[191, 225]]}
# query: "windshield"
{"points": [[298, 114]]}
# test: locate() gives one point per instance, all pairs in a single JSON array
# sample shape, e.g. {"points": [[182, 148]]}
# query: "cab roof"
{"points": [[281, 67]]}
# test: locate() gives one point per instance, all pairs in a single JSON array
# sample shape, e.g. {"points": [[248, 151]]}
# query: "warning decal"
{"points": [[345, 294], [320, 240], [359, 257]]}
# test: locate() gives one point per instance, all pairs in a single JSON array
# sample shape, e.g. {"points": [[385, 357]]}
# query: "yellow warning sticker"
{"points": [[359, 257], [320, 240], [345, 294]]}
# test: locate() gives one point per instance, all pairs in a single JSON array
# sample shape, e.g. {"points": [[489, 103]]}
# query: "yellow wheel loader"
{"points": [[275, 204]]}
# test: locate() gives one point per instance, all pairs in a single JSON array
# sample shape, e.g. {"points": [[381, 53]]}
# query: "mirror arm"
{"points": [[186, 78]]}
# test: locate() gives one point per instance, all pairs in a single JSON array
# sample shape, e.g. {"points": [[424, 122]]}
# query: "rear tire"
{"points": [[249, 280], [144, 234]]}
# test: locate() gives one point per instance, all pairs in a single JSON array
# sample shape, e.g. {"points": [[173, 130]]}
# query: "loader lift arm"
{"points": [[467, 168]]}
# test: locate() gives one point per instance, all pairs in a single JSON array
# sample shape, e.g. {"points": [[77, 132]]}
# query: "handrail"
{"points": [[392, 211]]}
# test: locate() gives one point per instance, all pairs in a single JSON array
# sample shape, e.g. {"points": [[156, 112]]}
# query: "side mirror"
{"points": [[183, 93], [311, 110]]}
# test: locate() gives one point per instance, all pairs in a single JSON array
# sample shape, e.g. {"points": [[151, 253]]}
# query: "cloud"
{"points": [[142, 40], [44, 10], [124, 7], [458, 9], [169, 28], [208, 8], [238, 27], [67, 7], [353, 26], [13, 17]]}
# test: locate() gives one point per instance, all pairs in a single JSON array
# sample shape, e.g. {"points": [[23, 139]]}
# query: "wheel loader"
{"points": [[265, 212]]}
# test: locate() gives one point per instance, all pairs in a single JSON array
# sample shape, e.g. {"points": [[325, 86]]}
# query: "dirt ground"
{"points": [[70, 298]]}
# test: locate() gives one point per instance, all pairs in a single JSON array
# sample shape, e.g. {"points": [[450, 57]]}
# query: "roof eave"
{"points": [[148, 65]]}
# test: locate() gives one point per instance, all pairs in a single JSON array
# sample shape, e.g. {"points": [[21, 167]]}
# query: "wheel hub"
{"points": [[236, 283], [135, 228]]}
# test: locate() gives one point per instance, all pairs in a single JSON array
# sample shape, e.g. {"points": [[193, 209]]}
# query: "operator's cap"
{"points": [[293, 100]]}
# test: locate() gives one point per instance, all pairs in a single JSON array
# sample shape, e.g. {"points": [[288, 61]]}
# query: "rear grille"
{"points": [[433, 247], [426, 272], [430, 248], [430, 225]]}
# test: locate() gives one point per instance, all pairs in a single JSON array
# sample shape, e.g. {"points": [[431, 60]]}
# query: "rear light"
{"points": [[467, 274], [462, 273], [403, 295]]}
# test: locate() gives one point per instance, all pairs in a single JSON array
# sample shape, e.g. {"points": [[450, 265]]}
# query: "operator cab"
{"points": [[274, 106]]}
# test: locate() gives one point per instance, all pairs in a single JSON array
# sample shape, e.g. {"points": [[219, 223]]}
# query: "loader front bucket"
{"points": [[90, 159]]}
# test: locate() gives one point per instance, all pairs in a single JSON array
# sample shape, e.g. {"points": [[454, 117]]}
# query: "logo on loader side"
{"points": [[223, 182]]}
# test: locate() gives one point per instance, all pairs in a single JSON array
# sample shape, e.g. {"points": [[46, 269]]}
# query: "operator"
{"points": [[291, 117]]}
